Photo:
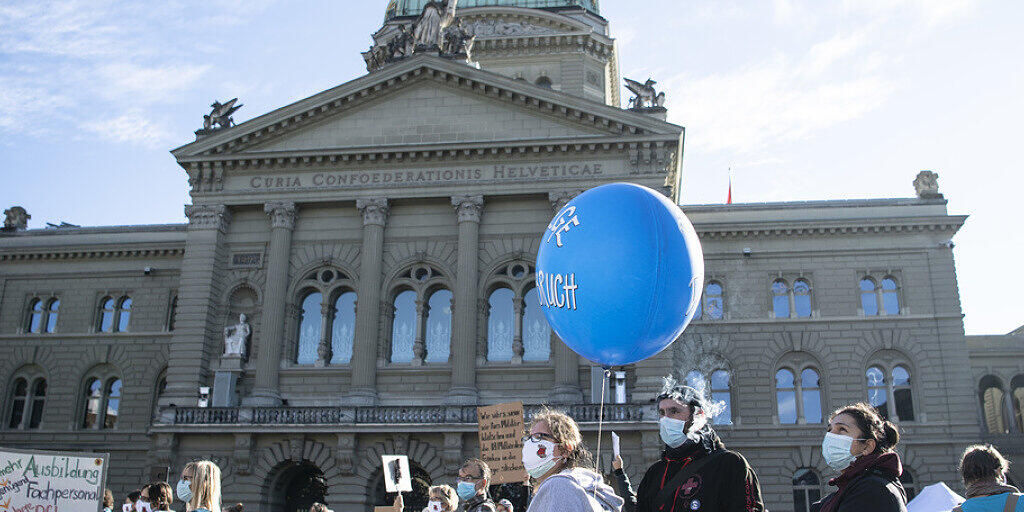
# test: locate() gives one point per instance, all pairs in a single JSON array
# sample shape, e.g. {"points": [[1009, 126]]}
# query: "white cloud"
{"points": [[933, 12], [123, 81], [132, 127]]}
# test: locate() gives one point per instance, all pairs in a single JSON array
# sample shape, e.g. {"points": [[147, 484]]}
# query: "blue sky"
{"points": [[804, 99]]}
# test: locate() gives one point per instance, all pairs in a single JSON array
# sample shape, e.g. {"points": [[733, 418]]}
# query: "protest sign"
{"points": [[397, 477], [501, 445], [42, 481]]}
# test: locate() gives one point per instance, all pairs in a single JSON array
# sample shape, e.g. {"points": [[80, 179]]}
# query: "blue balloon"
{"points": [[619, 273]]}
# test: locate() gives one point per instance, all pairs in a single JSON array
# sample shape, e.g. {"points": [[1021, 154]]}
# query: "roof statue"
{"points": [[219, 117], [16, 218], [435, 31], [927, 185], [646, 96]]}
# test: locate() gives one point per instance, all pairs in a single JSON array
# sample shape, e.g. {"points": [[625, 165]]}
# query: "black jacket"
{"points": [[478, 503], [725, 483], [874, 491]]}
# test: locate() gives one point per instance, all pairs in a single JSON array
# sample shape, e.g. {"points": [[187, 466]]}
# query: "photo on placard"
{"points": [[397, 477]]}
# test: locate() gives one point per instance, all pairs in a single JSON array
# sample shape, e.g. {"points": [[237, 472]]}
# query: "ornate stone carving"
{"points": [[346, 453], [16, 218], [208, 216], [646, 97], [452, 453], [282, 215], [242, 456], [374, 210], [219, 117], [235, 337], [501, 28], [435, 31], [468, 208], [927, 185]]}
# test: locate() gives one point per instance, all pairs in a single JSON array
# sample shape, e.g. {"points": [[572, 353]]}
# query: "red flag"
{"points": [[729, 200]]}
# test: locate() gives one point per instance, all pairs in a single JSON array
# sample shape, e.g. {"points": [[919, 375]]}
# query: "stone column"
{"points": [[518, 308], [464, 342], [419, 346], [364, 366], [567, 388], [198, 331], [282, 221], [324, 351]]}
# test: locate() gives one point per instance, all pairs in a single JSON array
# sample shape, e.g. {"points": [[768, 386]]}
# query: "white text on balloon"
{"points": [[557, 290], [565, 220]]}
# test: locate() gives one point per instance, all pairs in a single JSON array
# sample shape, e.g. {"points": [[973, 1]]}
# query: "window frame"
{"points": [[807, 489], [707, 388], [106, 377], [331, 282], [424, 279], [704, 311], [45, 313], [888, 367], [504, 276], [797, 363], [879, 292], [32, 376], [116, 312]]}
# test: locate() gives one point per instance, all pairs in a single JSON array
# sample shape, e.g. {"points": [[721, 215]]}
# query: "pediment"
{"points": [[426, 100]]}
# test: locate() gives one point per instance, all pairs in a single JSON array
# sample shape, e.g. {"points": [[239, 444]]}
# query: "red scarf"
{"points": [[884, 462]]}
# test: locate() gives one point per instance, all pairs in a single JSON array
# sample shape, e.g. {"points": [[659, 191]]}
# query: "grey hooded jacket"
{"points": [[575, 490]]}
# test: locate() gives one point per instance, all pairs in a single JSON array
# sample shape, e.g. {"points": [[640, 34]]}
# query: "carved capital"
{"points": [[282, 215], [374, 210], [206, 216], [468, 208], [560, 198]]}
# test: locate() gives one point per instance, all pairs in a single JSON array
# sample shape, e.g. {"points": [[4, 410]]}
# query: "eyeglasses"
{"points": [[537, 438], [468, 479]]}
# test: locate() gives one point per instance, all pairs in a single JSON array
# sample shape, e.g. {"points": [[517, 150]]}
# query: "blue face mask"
{"points": [[183, 491], [465, 490], [673, 431]]}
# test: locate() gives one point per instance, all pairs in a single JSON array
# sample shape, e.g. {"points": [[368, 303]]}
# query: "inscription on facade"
{"points": [[414, 177]]}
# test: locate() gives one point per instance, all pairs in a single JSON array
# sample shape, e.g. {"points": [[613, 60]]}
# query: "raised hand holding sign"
{"points": [[619, 273]]}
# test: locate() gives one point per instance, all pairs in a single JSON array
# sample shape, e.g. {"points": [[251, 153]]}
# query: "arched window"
{"points": [[722, 397], [52, 311], [516, 328], [19, 400], [806, 489], [907, 479], [785, 396], [868, 297], [310, 324], [696, 380], [544, 82], [27, 400], [403, 328], [102, 402], [108, 309], [802, 298], [891, 392], [780, 299], [1017, 394], [992, 405], [439, 326], [712, 302], [343, 328], [810, 388], [890, 296], [878, 395], [34, 324], [499, 325], [124, 314], [536, 332]]}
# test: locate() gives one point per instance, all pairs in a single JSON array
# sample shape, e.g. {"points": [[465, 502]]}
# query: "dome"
{"points": [[397, 8]]}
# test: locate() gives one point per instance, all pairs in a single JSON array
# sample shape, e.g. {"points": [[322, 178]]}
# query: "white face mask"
{"points": [[835, 449], [142, 506], [538, 457], [435, 506]]}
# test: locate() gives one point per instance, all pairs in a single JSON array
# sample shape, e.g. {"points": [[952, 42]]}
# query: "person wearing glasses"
{"points": [[559, 464], [471, 486]]}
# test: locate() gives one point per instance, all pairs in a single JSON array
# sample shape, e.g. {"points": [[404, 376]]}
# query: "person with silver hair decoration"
{"points": [[696, 471]]}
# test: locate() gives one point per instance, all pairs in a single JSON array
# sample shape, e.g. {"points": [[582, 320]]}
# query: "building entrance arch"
{"points": [[297, 486]]}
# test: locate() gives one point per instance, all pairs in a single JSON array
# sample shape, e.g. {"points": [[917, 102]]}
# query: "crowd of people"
{"points": [[695, 472]]}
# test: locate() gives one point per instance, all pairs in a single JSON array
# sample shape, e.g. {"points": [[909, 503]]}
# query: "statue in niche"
{"points": [[927, 185], [235, 337]]}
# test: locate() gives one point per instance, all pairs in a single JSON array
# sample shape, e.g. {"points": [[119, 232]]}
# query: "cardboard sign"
{"points": [[41, 481], [615, 445], [397, 477], [501, 445]]}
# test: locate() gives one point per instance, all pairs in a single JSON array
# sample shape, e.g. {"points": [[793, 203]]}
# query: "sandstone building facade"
{"points": [[379, 238]]}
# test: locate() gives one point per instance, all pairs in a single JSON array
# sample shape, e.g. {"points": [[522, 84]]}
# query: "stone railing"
{"points": [[385, 415]]}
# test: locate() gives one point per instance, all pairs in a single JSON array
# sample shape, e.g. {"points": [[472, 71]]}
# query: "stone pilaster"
{"points": [[464, 344], [197, 330], [364, 368], [282, 223], [567, 388]]}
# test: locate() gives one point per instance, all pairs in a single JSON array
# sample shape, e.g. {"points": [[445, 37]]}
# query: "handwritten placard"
{"points": [[41, 481], [501, 445]]}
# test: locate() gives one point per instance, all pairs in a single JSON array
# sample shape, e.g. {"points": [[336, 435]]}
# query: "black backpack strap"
{"points": [[1011, 502], [686, 472]]}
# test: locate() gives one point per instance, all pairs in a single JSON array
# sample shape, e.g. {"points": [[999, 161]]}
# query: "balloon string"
{"points": [[600, 421]]}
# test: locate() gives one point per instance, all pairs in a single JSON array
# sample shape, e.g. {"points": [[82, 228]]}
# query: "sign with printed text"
{"points": [[501, 444], [42, 481]]}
